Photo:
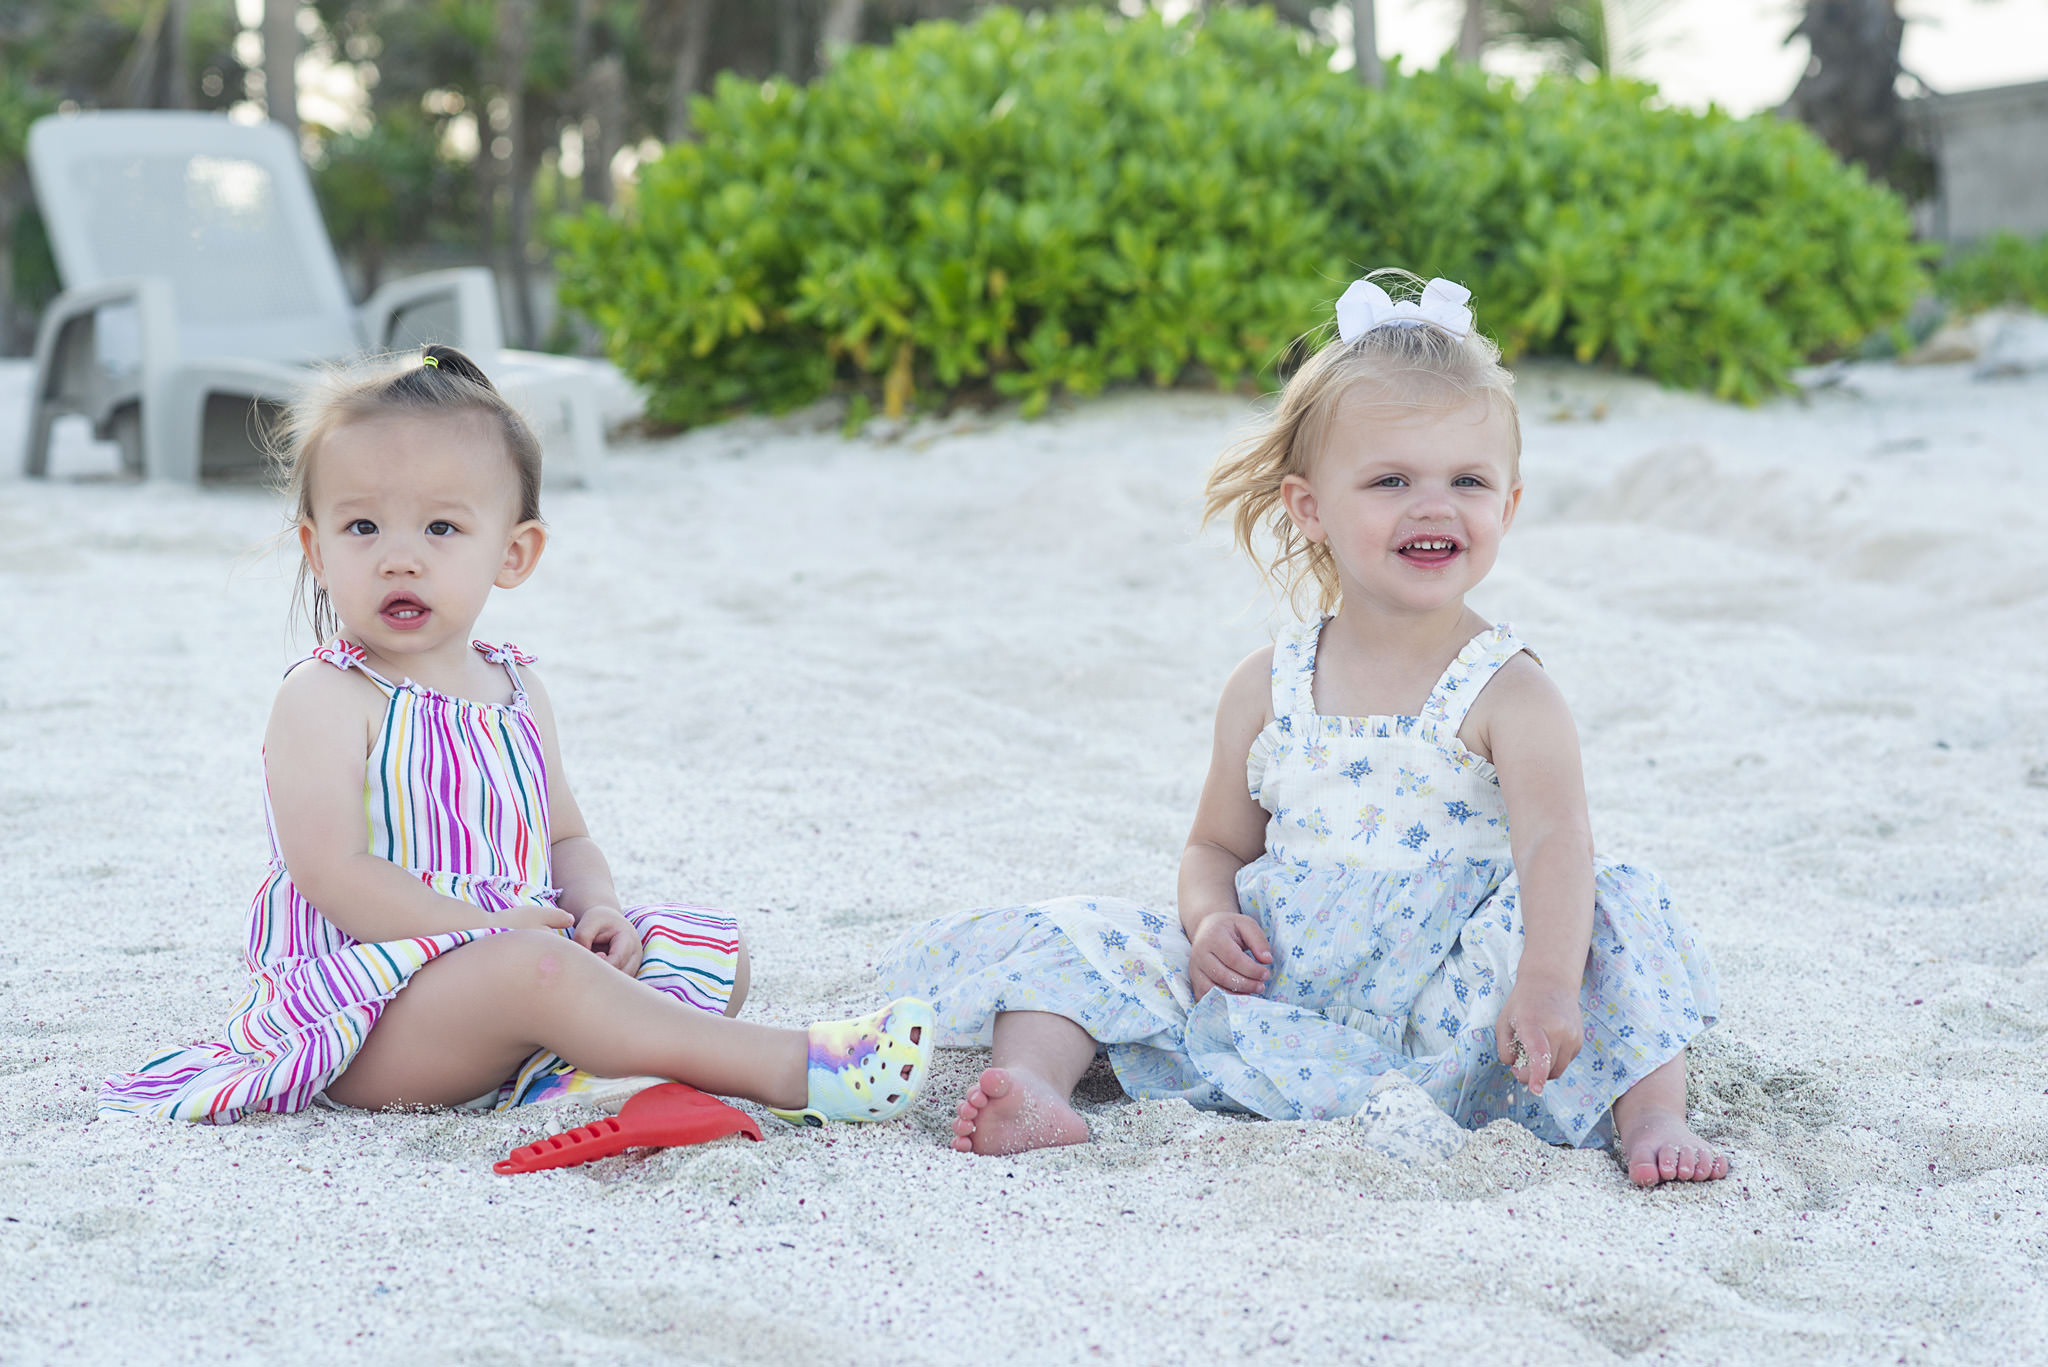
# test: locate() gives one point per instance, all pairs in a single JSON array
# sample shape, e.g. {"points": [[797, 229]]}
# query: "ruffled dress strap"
{"points": [[510, 657], [1474, 668], [1294, 669], [1294, 701], [346, 655]]}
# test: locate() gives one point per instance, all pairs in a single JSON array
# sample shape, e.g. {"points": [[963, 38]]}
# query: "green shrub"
{"points": [[2003, 269], [1047, 203]]}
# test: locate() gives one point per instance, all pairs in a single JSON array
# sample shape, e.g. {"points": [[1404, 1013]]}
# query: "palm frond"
{"points": [[1606, 35]]}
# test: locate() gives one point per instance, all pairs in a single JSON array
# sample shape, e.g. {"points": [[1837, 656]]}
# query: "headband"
{"points": [[1365, 306]]}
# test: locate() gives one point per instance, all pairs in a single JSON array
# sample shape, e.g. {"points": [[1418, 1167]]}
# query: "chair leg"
{"points": [[35, 458], [124, 427], [586, 438], [171, 417]]}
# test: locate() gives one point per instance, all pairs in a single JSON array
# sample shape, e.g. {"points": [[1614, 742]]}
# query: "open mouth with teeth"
{"points": [[403, 612], [1429, 551]]}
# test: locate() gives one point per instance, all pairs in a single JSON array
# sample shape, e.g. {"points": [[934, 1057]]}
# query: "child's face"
{"points": [[1412, 504], [414, 520]]}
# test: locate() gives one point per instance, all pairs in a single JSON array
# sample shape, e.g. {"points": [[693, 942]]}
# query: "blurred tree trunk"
{"points": [[1472, 32], [789, 39], [17, 331], [1849, 93], [604, 116], [155, 75], [841, 28], [693, 42], [1365, 43], [601, 96], [515, 19], [281, 63]]}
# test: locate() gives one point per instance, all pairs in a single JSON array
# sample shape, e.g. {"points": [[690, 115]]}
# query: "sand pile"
{"points": [[839, 687]]}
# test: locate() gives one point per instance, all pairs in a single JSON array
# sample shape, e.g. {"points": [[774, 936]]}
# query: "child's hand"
{"points": [[606, 932], [1539, 1031], [542, 917], [1229, 951]]}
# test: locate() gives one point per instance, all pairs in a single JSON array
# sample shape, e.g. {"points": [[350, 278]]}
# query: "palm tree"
{"points": [[1365, 44], [1604, 35], [280, 62], [1849, 93]]}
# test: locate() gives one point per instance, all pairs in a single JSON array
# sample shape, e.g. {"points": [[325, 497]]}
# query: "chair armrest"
{"points": [[472, 290], [67, 363], [66, 323], [69, 374]]}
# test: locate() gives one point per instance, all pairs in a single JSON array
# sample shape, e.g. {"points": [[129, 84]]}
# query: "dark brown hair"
{"points": [[440, 380]]}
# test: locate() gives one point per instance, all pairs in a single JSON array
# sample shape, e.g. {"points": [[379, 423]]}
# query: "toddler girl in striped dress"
{"points": [[438, 927]]}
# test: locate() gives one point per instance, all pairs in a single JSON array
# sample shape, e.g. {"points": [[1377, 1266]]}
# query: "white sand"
{"points": [[840, 687]]}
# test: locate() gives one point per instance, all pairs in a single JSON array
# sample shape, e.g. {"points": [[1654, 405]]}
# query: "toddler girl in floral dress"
{"points": [[1391, 877]]}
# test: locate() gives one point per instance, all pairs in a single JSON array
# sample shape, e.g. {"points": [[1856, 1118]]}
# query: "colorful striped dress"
{"points": [[457, 793]]}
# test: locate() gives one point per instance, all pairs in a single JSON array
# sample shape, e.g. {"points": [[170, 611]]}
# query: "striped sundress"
{"points": [[457, 793]]}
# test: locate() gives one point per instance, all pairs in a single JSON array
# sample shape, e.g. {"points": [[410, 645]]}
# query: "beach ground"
{"points": [[842, 686]]}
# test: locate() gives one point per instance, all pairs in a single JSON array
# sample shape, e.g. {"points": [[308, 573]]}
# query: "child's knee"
{"points": [[539, 960]]}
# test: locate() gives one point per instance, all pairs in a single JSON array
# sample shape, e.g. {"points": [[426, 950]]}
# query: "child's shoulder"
{"points": [[1253, 673], [1248, 692], [1522, 676], [1519, 699], [314, 686]]}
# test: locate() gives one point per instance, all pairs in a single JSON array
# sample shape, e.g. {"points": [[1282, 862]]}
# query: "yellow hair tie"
{"points": [[434, 361]]}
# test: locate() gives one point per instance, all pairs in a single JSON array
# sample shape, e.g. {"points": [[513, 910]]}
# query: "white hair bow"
{"points": [[1366, 306]]}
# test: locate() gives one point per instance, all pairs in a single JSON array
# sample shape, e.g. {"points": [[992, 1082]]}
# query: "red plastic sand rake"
{"points": [[660, 1117]]}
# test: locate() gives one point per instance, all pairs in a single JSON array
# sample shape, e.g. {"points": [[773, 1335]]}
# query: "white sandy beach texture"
{"points": [[842, 686]]}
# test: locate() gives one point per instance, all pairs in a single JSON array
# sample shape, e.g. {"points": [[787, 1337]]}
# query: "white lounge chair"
{"points": [[200, 282]]}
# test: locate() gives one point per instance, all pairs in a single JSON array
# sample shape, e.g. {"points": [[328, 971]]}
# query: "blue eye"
{"points": [[1390, 482], [1471, 482]]}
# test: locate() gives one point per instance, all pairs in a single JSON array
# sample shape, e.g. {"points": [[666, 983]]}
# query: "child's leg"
{"points": [[742, 978], [1024, 1101], [1649, 1119], [468, 1019]]}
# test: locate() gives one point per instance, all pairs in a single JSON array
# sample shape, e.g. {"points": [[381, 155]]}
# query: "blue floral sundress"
{"points": [[1389, 895]]}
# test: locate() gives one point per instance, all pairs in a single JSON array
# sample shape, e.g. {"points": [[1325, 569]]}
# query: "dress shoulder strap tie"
{"points": [[510, 657], [346, 655], [1469, 674]]}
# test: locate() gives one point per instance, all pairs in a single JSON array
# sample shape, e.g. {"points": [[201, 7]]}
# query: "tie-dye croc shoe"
{"points": [[869, 1069]]}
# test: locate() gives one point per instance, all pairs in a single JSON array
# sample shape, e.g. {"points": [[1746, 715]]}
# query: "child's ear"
{"points": [[309, 546], [522, 553], [1514, 502], [1300, 502]]}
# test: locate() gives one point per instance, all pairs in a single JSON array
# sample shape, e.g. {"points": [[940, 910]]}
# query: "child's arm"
{"points": [[1229, 949], [1523, 724], [578, 865], [315, 758]]}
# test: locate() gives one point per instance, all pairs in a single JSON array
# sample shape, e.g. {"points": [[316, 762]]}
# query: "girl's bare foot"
{"points": [[1655, 1140], [1661, 1147], [1011, 1110]]}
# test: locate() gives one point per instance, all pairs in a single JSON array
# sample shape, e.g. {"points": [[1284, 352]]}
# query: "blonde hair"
{"points": [[441, 380], [1419, 366]]}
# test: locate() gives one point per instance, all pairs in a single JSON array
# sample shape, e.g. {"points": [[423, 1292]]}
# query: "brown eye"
{"points": [[362, 526], [440, 529]]}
